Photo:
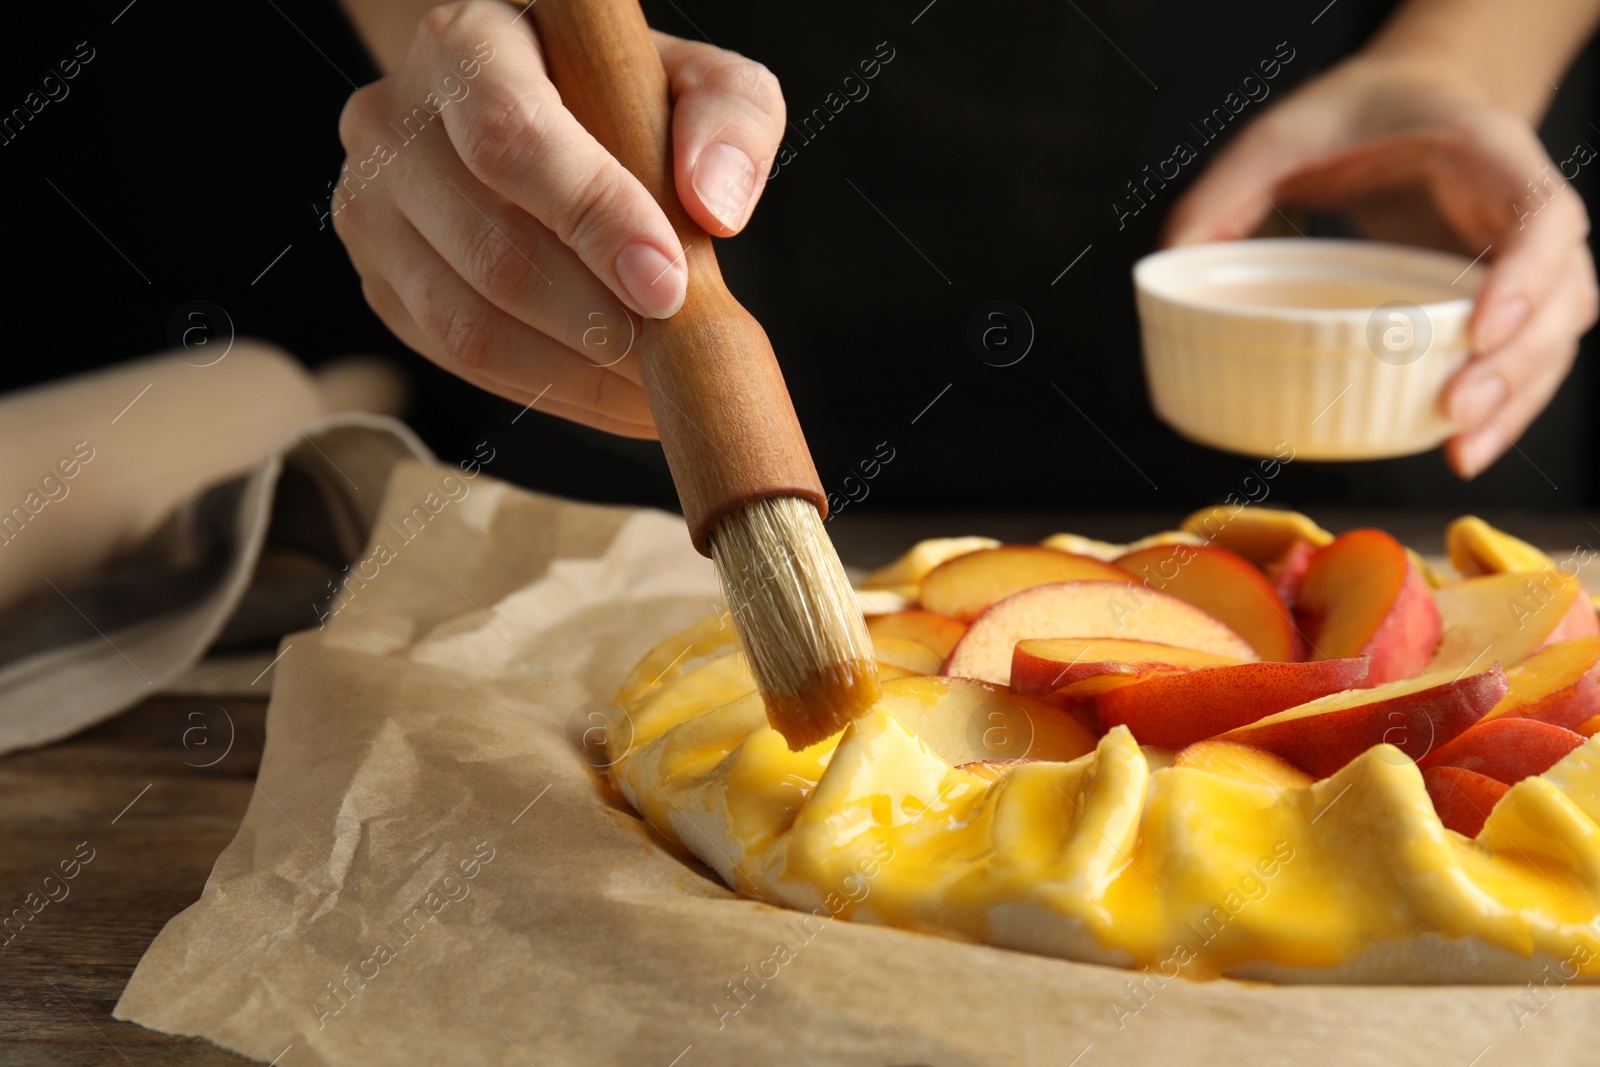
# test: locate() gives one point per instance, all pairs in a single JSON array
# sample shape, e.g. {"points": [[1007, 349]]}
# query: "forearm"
{"points": [[1513, 53], [386, 27]]}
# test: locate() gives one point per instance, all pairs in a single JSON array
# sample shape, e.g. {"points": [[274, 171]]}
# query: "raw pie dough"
{"points": [[1113, 857]]}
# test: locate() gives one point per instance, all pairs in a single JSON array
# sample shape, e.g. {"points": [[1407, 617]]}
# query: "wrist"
{"points": [[1421, 70], [1460, 52]]}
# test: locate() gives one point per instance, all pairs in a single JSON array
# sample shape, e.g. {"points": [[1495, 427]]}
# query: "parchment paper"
{"points": [[419, 792]]}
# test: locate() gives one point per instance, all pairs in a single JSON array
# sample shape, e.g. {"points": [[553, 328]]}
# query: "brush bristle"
{"points": [[797, 617]]}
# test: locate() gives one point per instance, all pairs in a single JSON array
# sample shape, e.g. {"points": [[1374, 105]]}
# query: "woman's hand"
{"points": [[1416, 157], [496, 237]]}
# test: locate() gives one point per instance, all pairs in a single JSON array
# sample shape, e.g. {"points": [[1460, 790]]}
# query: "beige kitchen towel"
{"points": [[430, 871], [88, 645]]}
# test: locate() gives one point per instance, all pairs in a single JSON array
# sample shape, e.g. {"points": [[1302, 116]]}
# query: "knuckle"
{"points": [[497, 135], [437, 23], [765, 90], [495, 266], [582, 215], [730, 74], [356, 118], [740, 75], [462, 333]]}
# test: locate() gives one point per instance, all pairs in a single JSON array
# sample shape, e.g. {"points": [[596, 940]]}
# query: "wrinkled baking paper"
{"points": [[429, 872]]}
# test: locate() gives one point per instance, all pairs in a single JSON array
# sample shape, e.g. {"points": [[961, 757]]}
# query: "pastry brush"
{"points": [[739, 460]]}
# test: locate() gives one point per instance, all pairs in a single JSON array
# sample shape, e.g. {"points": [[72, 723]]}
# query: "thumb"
{"points": [[726, 124]]}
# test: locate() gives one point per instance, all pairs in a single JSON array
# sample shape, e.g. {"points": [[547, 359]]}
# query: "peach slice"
{"points": [[1164, 537], [1258, 534], [1080, 695], [1041, 666], [1177, 710], [963, 721], [1224, 585], [1476, 548], [911, 656], [1559, 685], [1508, 617], [924, 627], [1086, 609], [1583, 618], [964, 587], [1463, 799], [1507, 750], [1589, 727], [1288, 571], [1243, 763], [904, 574], [1079, 545], [1088, 546], [1416, 715], [1363, 596]]}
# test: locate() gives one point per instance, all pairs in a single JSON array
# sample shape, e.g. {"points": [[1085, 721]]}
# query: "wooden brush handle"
{"points": [[727, 424]]}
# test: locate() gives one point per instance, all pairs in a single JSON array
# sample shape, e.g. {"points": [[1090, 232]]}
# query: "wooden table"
{"points": [[138, 789]]}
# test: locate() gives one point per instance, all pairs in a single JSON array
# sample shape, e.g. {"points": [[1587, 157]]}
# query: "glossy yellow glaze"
{"points": [[1113, 856]]}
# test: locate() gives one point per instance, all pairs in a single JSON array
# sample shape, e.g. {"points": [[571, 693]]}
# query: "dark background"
{"points": [[199, 139]]}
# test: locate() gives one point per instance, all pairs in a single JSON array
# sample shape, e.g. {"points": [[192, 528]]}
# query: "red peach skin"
{"points": [[1363, 596], [1288, 571], [1581, 620], [1507, 750], [1177, 710], [1463, 799], [1416, 715]]}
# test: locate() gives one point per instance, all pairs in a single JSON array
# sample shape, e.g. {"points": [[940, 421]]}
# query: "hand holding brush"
{"points": [[749, 490]]}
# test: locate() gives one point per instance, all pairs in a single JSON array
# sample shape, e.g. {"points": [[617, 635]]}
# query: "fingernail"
{"points": [[1478, 451], [656, 284], [1503, 319], [725, 179], [1476, 401]]}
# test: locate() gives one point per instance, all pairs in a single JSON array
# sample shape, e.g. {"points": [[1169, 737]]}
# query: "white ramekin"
{"points": [[1329, 383]]}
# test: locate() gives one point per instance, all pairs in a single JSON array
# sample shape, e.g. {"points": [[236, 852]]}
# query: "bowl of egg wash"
{"points": [[1306, 347]]}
